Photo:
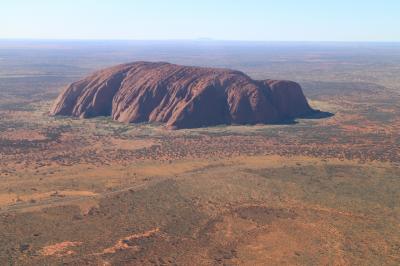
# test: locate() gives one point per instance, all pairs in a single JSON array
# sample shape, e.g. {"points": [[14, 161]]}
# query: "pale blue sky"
{"points": [[263, 20]]}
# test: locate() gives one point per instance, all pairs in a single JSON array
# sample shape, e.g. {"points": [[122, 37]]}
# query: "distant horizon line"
{"points": [[197, 40]]}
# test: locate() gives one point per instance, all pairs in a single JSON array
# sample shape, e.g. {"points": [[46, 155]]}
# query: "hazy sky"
{"points": [[264, 20]]}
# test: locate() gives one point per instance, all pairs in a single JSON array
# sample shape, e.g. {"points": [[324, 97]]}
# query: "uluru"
{"points": [[181, 96]]}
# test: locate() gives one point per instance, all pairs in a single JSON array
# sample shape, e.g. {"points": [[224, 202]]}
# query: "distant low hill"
{"points": [[181, 96]]}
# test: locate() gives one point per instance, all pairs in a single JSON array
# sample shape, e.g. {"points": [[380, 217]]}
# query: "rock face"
{"points": [[181, 96]]}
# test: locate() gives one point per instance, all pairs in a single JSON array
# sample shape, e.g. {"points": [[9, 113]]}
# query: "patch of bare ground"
{"points": [[130, 242], [33, 198], [22, 134], [60, 249], [127, 144]]}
